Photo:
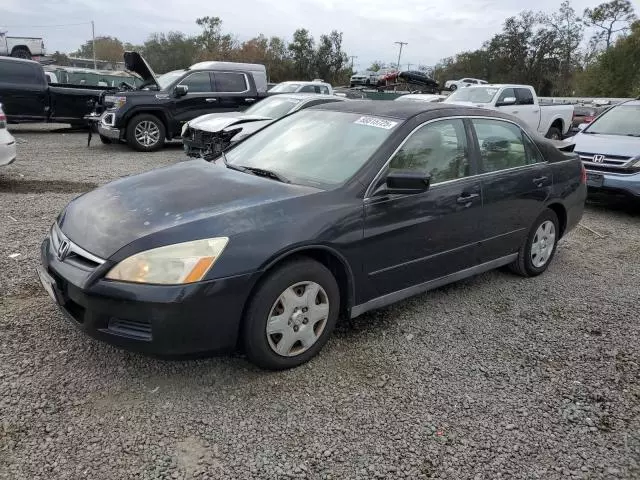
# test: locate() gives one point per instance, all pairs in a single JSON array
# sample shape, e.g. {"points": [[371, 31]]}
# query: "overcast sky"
{"points": [[432, 28]]}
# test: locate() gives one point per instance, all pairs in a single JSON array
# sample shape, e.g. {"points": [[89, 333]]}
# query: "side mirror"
{"points": [[582, 126], [506, 101], [180, 90], [407, 182]]}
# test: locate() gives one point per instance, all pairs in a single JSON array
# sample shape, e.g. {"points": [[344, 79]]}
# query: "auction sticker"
{"points": [[376, 122]]}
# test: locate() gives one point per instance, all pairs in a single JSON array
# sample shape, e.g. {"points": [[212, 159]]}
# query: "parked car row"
{"points": [[453, 85]]}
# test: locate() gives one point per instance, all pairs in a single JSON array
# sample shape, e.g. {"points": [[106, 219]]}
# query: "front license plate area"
{"points": [[594, 179], [48, 283]]}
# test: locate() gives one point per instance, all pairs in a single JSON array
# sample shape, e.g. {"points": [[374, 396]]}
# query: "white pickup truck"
{"points": [[21, 47], [553, 121]]}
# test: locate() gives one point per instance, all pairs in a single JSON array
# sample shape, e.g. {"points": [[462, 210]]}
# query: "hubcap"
{"points": [[147, 133], [297, 319], [543, 243]]}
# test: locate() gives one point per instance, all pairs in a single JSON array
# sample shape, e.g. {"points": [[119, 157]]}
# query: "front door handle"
{"points": [[466, 198], [515, 111], [539, 181], [211, 100], [249, 100]]}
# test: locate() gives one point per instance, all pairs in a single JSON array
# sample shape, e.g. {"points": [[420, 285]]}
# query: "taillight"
{"points": [[588, 119], [3, 120], [583, 175]]}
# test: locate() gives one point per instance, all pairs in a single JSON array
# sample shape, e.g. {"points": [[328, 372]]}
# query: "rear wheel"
{"points": [[539, 248], [291, 315], [145, 133], [554, 134], [453, 87], [21, 52]]}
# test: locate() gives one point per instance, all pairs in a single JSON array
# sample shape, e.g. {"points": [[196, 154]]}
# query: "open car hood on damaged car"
{"points": [[134, 62]]}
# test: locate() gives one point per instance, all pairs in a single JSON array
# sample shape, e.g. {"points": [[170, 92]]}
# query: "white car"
{"points": [[321, 88], [420, 97], [453, 85], [7, 142]]}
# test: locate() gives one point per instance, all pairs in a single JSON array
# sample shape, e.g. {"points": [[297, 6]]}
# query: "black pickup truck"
{"points": [[155, 111], [27, 97]]}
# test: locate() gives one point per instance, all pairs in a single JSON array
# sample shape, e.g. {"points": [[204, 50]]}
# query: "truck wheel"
{"points": [[145, 133], [554, 134], [21, 52], [453, 87], [105, 140]]}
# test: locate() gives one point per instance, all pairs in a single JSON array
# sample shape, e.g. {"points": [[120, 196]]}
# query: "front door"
{"points": [[515, 185], [200, 99], [411, 239]]}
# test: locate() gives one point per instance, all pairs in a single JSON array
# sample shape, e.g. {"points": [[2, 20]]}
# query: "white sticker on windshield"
{"points": [[492, 91], [376, 122]]}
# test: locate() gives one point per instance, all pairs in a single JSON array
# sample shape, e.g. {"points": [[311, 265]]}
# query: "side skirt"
{"points": [[394, 297]]}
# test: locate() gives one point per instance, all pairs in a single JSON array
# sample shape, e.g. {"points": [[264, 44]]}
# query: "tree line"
{"points": [[303, 58], [547, 51]]}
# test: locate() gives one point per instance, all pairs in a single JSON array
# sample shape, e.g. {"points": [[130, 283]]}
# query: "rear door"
{"points": [[526, 108], [516, 183], [23, 91], [235, 92], [411, 239], [200, 99]]}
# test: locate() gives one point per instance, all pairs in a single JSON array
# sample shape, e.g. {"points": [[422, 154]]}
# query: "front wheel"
{"points": [[291, 315], [145, 133], [453, 87], [539, 248]]}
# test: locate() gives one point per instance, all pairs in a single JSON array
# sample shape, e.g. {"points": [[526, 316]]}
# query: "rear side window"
{"points": [[524, 96], [231, 82], [18, 72], [503, 145], [198, 82]]}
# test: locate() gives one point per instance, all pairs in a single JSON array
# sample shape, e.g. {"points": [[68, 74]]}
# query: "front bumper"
{"points": [[7, 153], [153, 319], [628, 184], [109, 132]]}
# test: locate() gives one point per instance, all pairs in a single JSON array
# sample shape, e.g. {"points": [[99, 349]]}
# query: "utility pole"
{"points": [[352, 57], [93, 36], [409, 66], [402, 44]]}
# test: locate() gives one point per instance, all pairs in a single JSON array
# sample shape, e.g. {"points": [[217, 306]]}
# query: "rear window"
{"points": [[524, 95], [18, 72], [230, 82]]}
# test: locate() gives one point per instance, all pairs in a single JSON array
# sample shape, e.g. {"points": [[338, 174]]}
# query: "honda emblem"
{"points": [[598, 158], [63, 250]]}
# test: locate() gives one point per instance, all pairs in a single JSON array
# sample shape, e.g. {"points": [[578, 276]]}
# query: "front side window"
{"points": [[503, 145], [506, 93], [198, 82], [310, 89], [231, 82], [438, 149]]}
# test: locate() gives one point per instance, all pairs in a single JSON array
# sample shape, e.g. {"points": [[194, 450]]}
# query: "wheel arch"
{"points": [[559, 124], [20, 47], [148, 111], [561, 212]]}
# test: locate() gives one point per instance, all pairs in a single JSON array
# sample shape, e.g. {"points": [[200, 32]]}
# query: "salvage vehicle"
{"points": [[21, 47], [214, 132], [365, 78], [335, 210], [609, 146], [147, 115], [7, 142], [553, 121], [303, 87], [453, 85], [28, 97], [420, 79]]}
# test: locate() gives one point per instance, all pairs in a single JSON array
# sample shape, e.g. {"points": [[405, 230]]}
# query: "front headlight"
{"points": [[171, 265], [184, 128], [116, 100]]}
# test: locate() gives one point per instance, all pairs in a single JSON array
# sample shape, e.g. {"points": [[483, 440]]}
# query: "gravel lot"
{"points": [[492, 377]]}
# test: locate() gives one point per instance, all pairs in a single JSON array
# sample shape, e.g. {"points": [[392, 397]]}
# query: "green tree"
{"points": [[610, 18], [302, 54], [60, 59], [171, 51], [107, 48], [212, 43]]}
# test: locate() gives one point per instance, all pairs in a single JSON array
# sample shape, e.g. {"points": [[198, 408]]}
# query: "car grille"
{"points": [[606, 163], [136, 329], [67, 251]]}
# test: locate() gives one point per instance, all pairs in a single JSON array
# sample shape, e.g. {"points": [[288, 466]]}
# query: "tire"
{"points": [[529, 263], [453, 87], [155, 131], [21, 52], [554, 134], [296, 278], [106, 140]]}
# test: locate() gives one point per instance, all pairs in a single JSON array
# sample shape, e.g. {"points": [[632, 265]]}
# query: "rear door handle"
{"points": [[211, 100], [249, 100], [539, 181], [515, 111], [466, 199]]}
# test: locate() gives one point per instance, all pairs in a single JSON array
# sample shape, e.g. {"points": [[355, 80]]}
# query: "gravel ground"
{"points": [[492, 377]]}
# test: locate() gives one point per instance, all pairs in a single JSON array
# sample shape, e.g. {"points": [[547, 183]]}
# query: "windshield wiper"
{"points": [[267, 173], [632, 134], [590, 133]]}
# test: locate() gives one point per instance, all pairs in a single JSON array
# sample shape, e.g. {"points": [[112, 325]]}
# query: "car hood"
{"points": [[215, 122], [621, 145], [165, 201], [134, 62]]}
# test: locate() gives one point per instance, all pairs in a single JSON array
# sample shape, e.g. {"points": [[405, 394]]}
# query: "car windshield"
{"points": [[296, 147], [285, 88], [168, 78], [473, 94], [273, 107], [621, 120]]}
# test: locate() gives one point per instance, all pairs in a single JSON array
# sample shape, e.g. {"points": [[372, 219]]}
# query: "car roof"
{"points": [[302, 82], [633, 103], [386, 108], [500, 85], [18, 60], [304, 96]]}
